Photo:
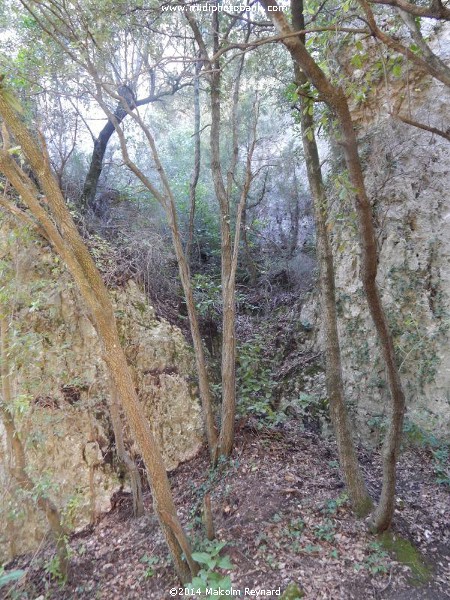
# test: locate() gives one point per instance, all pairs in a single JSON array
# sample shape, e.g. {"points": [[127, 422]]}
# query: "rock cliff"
{"points": [[61, 390], [407, 173]]}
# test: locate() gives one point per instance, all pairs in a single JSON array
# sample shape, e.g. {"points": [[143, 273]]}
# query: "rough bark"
{"points": [[348, 458], [336, 100], [62, 232]]}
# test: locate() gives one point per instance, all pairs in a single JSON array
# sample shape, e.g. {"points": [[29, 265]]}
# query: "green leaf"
{"points": [[11, 576], [204, 558], [217, 548], [356, 61], [397, 70], [224, 562]]}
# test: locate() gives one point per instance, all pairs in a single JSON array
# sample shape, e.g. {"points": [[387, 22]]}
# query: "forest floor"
{"points": [[279, 506]]}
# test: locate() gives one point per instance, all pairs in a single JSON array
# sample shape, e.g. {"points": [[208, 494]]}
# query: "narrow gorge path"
{"points": [[281, 501]]}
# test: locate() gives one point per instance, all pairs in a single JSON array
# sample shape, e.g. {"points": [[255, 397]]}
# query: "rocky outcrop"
{"points": [[407, 174], [61, 390]]}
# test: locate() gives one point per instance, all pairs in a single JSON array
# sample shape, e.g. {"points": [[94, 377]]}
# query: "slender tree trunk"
{"points": [[228, 250], [384, 511], [18, 459], [124, 457], [336, 100], [226, 439], [96, 164], [196, 171], [167, 201], [348, 459], [200, 360], [251, 267], [64, 236]]}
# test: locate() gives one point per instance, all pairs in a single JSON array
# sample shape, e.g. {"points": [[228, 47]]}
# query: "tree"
{"points": [[358, 493], [97, 62], [127, 96], [56, 220], [435, 10], [418, 52], [223, 190], [335, 98]]}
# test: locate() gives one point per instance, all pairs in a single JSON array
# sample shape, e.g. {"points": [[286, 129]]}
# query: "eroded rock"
{"points": [[61, 390]]}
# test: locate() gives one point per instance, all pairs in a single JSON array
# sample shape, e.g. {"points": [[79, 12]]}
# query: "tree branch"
{"points": [[428, 66], [435, 11], [434, 130]]}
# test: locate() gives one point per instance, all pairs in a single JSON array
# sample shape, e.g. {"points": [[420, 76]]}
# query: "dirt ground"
{"points": [[279, 503]]}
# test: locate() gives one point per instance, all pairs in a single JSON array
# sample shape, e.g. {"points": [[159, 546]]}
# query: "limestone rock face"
{"points": [[407, 172], [164, 367], [61, 390]]}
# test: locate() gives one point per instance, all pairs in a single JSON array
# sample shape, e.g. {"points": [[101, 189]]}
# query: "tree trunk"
{"points": [[167, 201], [64, 236], [196, 169], [251, 267], [96, 164], [384, 511], [228, 250], [124, 458], [348, 459], [358, 494], [336, 100], [226, 439]]}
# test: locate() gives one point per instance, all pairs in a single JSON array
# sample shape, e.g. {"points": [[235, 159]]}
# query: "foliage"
{"points": [[325, 531], [255, 381], [333, 505], [10, 576], [378, 559], [210, 576], [53, 565], [295, 528], [207, 294], [71, 508], [151, 562]]}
